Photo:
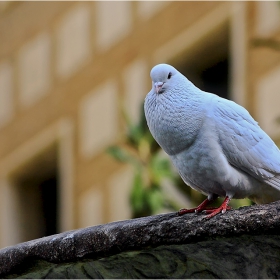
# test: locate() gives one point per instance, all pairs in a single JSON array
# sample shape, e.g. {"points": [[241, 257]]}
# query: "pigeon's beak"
{"points": [[158, 86]]}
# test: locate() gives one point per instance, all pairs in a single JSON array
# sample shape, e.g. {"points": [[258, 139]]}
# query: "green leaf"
{"points": [[137, 196], [155, 199], [119, 154], [134, 135], [160, 168]]}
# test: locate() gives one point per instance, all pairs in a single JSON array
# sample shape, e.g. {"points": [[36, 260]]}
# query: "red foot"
{"points": [[197, 209], [222, 209], [212, 211]]}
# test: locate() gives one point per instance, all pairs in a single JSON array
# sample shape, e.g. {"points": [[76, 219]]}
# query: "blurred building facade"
{"points": [[67, 68]]}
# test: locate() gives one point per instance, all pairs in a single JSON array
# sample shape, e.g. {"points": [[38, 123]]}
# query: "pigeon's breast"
{"points": [[198, 168], [174, 125]]}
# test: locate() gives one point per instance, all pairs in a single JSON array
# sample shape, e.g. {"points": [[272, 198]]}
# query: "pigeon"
{"points": [[216, 146]]}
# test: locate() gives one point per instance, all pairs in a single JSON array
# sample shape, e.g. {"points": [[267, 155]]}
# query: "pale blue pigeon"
{"points": [[215, 144]]}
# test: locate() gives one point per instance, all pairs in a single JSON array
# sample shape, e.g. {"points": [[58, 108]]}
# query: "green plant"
{"points": [[150, 169]]}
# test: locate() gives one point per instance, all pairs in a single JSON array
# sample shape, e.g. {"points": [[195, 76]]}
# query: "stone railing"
{"points": [[243, 243]]}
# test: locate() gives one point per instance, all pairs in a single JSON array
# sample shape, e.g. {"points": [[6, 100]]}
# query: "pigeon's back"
{"points": [[245, 144]]}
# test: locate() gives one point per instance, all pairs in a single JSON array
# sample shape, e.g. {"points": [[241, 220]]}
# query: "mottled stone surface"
{"points": [[243, 243], [240, 257]]}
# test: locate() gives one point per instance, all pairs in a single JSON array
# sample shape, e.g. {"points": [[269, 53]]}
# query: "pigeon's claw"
{"points": [[211, 211], [222, 209], [197, 209]]}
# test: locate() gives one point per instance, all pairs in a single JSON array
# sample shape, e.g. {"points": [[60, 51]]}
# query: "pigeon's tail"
{"points": [[274, 182], [270, 191]]}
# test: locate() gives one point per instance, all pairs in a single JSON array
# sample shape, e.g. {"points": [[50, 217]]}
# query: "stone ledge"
{"points": [[135, 236]]}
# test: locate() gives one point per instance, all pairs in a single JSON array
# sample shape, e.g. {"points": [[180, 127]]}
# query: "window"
{"points": [[206, 64], [34, 196]]}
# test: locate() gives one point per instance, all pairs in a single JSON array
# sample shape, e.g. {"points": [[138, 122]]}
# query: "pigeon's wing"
{"points": [[244, 143]]}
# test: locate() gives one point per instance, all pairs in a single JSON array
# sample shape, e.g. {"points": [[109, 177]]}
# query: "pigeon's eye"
{"points": [[169, 75]]}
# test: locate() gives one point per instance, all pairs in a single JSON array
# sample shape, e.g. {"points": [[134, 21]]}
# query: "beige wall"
{"points": [[66, 68]]}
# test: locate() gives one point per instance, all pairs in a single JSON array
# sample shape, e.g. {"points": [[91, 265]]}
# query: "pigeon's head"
{"points": [[163, 77]]}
